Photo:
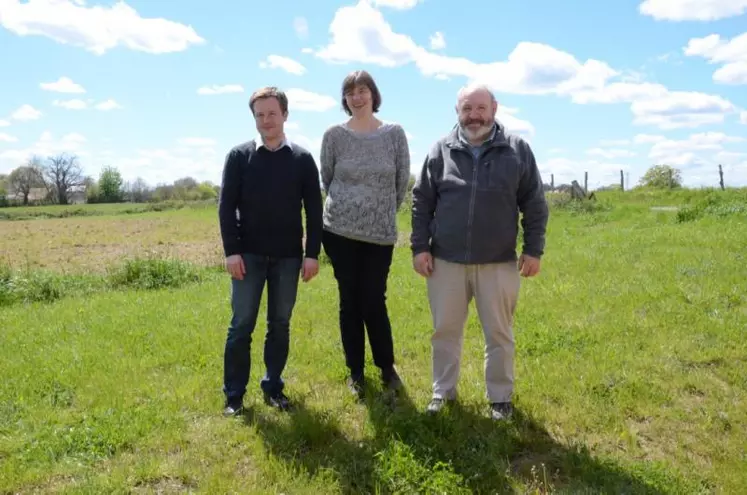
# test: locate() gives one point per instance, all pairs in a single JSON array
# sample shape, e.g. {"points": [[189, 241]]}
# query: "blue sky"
{"points": [[159, 88]]}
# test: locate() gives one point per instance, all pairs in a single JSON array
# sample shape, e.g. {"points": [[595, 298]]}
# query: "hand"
{"points": [[529, 266], [310, 269], [423, 264], [235, 266]]}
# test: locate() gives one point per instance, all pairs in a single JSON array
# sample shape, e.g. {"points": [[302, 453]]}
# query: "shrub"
{"points": [[153, 273], [714, 204], [33, 286]]}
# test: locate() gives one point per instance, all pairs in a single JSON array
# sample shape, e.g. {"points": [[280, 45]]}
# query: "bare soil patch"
{"points": [[93, 243]]}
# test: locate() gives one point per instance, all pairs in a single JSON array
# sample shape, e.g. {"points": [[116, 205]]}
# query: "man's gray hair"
{"points": [[472, 88]]}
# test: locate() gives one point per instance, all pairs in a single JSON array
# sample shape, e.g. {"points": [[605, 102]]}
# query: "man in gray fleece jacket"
{"points": [[465, 220]]}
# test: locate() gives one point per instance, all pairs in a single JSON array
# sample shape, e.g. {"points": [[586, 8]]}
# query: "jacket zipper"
{"points": [[475, 161]]}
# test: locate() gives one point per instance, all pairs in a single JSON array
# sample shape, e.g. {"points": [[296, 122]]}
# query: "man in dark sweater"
{"points": [[265, 183]]}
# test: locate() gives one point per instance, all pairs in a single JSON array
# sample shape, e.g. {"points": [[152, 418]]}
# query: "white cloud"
{"points": [[196, 141], [732, 55], [692, 10], [697, 150], [300, 99], [743, 117], [7, 138], [63, 85], [610, 153], [78, 104], [301, 27], [397, 4], [4, 123], [25, 113], [47, 145], [287, 64], [647, 138], [108, 105], [74, 104], [614, 142], [163, 166], [360, 34], [97, 29], [217, 89], [513, 124], [437, 41], [681, 109]]}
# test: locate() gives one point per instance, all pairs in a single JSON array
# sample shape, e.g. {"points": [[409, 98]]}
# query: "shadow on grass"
{"points": [[459, 451], [313, 441]]}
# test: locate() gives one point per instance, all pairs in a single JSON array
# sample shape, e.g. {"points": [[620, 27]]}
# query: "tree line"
{"points": [[60, 180]]}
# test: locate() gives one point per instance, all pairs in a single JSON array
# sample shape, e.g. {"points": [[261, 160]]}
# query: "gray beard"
{"points": [[480, 135]]}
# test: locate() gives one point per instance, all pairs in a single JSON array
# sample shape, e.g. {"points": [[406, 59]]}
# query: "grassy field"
{"points": [[631, 358]]}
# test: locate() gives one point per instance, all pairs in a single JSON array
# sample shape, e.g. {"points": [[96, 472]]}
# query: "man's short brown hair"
{"points": [[356, 78], [269, 92]]}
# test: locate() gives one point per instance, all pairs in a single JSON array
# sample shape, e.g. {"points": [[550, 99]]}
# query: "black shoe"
{"points": [[357, 387], [391, 379], [501, 411], [279, 401], [233, 407]]}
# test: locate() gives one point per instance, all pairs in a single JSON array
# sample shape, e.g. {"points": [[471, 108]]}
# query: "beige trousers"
{"points": [[495, 289]]}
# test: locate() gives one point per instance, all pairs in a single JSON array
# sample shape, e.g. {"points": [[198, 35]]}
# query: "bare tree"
{"points": [[25, 178], [63, 173], [139, 191]]}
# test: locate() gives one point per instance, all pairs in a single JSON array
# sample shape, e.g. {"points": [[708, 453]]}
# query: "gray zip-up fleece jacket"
{"points": [[466, 209]]}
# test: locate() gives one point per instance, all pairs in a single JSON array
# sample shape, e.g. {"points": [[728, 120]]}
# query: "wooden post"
{"points": [[671, 178], [552, 182], [622, 181], [586, 182], [721, 176]]}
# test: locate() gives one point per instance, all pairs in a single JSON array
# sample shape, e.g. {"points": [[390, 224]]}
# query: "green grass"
{"points": [[630, 379]]}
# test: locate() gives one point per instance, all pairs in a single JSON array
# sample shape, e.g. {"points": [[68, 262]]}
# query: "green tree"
{"points": [[206, 190], [661, 177], [111, 185], [3, 185]]}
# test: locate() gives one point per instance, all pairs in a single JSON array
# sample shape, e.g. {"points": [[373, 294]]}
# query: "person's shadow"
{"points": [[461, 450]]}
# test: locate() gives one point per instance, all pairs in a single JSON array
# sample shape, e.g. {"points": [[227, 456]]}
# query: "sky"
{"points": [[160, 88]]}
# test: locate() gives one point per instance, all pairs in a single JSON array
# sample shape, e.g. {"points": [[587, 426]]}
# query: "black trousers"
{"points": [[361, 270]]}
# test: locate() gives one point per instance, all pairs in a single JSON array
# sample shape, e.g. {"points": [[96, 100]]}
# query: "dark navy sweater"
{"points": [[268, 189]]}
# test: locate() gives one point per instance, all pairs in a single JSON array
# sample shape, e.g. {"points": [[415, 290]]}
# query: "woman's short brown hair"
{"points": [[356, 78]]}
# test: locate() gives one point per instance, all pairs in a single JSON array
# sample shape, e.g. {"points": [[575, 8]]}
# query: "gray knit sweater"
{"points": [[365, 177]]}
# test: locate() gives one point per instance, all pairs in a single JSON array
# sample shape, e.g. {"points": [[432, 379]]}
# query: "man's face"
{"points": [[269, 117], [476, 112]]}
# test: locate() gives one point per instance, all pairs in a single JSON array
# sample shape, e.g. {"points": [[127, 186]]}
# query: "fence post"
{"points": [[552, 182], [622, 181], [721, 176], [586, 182]]}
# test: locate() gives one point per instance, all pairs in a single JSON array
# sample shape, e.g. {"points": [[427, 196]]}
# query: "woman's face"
{"points": [[359, 99]]}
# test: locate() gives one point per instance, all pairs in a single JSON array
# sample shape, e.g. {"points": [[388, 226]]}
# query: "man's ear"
{"points": [[285, 117]]}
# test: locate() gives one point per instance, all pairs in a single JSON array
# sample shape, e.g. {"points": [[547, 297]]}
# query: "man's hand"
{"points": [[423, 264], [310, 269], [529, 266], [235, 266]]}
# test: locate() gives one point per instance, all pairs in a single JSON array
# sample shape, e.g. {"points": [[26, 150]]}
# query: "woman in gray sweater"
{"points": [[365, 169]]}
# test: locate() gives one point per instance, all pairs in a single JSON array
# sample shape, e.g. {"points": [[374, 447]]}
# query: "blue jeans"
{"points": [[281, 275]]}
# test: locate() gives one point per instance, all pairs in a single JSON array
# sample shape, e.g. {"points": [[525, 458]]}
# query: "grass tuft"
{"points": [[154, 273]]}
